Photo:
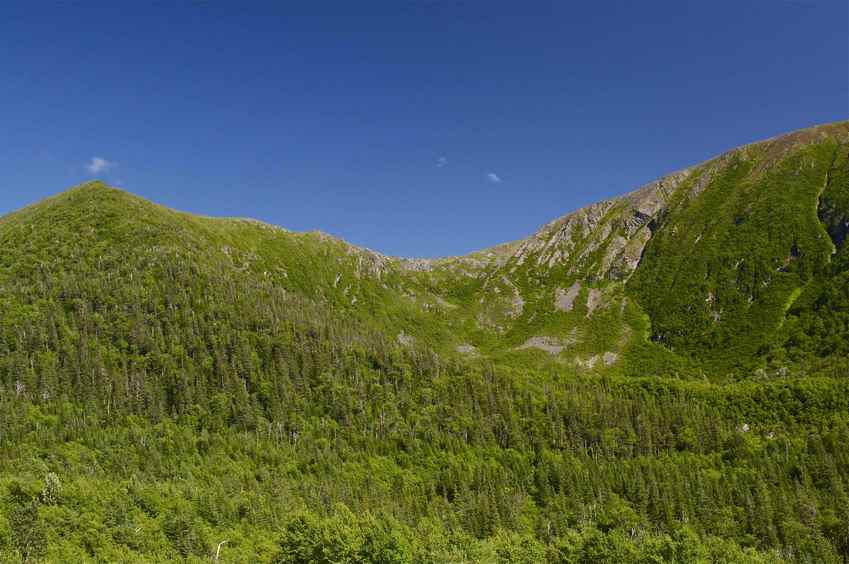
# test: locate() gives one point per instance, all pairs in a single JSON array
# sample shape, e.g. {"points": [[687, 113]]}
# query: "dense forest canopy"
{"points": [[661, 377]]}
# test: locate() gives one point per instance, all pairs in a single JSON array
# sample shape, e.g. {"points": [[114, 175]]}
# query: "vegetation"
{"points": [[759, 243], [187, 389]]}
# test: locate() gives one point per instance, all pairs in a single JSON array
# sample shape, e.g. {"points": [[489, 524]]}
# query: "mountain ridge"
{"points": [[783, 143], [552, 292], [659, 377]]}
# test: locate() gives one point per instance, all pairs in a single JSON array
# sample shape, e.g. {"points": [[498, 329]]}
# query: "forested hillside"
{"points": [[661, 377]]}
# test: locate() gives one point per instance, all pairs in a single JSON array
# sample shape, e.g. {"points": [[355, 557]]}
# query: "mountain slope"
{"points": [[727, 264], [657, 377], [706, 259], [712, 256]]}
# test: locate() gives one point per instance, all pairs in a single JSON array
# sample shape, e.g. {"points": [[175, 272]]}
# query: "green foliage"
{"points": [[342, 538], [177, 388], [28, 534], [728, 262], [817, 328]]}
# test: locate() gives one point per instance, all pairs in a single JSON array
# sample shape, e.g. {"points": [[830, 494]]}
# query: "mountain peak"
{"points": [[721, 272], [99, 188]]}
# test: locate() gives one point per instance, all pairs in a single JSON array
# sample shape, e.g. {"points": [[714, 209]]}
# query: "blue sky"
{"points": [[418, 128]]}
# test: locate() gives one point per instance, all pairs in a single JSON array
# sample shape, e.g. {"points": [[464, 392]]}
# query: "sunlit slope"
{"points": [[702, 266], [659, 377], [736, 264], [101, 287]]}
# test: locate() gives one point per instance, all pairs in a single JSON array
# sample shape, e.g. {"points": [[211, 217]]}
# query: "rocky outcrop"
{"points": [[564, 300], [517, 303], [594, 301], [405, 340], [550, 345], [604, 240]]}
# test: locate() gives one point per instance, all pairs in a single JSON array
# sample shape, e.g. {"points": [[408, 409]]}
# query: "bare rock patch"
{"points": [[551, 345], [405, 339], [609, 358], [594, 301], [564, 300]]}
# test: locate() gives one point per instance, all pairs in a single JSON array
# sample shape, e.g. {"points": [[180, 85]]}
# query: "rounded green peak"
{"points": [[94, 186]]}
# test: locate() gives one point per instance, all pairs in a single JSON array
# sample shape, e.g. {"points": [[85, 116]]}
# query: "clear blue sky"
{"points": [[418, 128]]}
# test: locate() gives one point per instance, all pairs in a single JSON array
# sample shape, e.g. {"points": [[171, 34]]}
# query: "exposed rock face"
{"points": [[608, 359], [564, 300], [550, 345], [594, 301], [595, 246], [370, 263], [604, 240], [416, 264], [614, 251], [597, 249], [649, 200], [588, 363], [556, 241], [517, 304]]}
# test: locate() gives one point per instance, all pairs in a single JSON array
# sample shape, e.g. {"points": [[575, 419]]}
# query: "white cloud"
{"points": [[494, 178], [98, 164], [441, 162]]}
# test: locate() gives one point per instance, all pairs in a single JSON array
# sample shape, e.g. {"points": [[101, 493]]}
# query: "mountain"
{"points": [[716, 256], [660, 377]]}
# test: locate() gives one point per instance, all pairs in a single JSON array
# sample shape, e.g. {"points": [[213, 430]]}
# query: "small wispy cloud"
{"points": [[98, 164], [441, 162], [494, 178]]}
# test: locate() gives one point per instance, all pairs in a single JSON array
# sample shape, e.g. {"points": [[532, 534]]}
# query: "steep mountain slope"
{"points": [[657, 377], [726, 265], [713, 257]]}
